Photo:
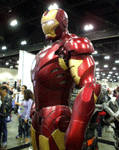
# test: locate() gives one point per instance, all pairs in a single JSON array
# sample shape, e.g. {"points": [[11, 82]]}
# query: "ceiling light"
{"points": [[91, 26], [114, 68], [110, 79], [110, 72], [96, 62], [11, 66], [54, 6], [97, 72], [118, 77], [107, 57], [97, 69], [7, 63], [4, 47], [16, 66], [116, 73], [88, 27], [114, 80], [14, 22], [98, 75], [18, 62], [109, 75], [104, 80], [116, 61], [95, 52], [103, 74], [23, 43], [105, 66]]}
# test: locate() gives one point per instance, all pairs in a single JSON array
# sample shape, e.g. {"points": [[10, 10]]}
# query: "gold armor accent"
{"points": [[33, 139], [62, 64], [79, 91], [73, 65], [49, 23], [43, 143], [95, 98], [58, 137]]}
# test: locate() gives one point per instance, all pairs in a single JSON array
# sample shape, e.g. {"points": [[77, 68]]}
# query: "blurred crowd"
{"points": [[19, 99], [109, 95]]}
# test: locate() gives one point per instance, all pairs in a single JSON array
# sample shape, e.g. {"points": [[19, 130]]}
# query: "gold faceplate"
{"points": [[49, 29]]}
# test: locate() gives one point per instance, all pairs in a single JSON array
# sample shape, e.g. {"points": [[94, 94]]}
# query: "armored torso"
{"points": [[52, 84]]}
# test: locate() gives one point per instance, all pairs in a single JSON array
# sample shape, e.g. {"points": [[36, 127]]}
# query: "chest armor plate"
{"points": [[47, 70]]}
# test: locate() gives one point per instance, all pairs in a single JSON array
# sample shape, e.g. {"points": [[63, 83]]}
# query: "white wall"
{"points": [[7, 74], [24, 71]]}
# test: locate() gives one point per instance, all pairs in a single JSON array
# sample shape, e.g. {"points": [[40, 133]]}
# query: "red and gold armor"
{"points": [[56, 70]]}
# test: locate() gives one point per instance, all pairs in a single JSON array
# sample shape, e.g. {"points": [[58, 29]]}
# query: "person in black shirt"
{"points": [[5, 110]]}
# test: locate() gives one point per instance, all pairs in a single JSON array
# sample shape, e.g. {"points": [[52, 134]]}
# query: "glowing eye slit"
{"points": [[48, 22]]}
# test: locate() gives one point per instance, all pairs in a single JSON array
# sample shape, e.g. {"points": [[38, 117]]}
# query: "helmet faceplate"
{"points": [[54, 22]]}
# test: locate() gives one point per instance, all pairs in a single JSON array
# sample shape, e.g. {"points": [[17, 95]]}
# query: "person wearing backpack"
{"points": [[5, 110]]}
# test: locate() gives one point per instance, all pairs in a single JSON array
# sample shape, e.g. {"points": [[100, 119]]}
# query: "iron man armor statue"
{"points": [[57, 69]]}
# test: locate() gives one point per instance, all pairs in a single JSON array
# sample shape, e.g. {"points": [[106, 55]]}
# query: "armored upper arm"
{"points": [[75, 55], [81, 63], [79, 45]]}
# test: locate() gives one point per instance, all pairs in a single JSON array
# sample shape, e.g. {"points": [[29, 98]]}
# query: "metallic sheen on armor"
{"points": [[59, 67]]}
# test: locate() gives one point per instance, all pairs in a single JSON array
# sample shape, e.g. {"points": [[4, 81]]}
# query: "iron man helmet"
{"points": [[54, 22]]}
